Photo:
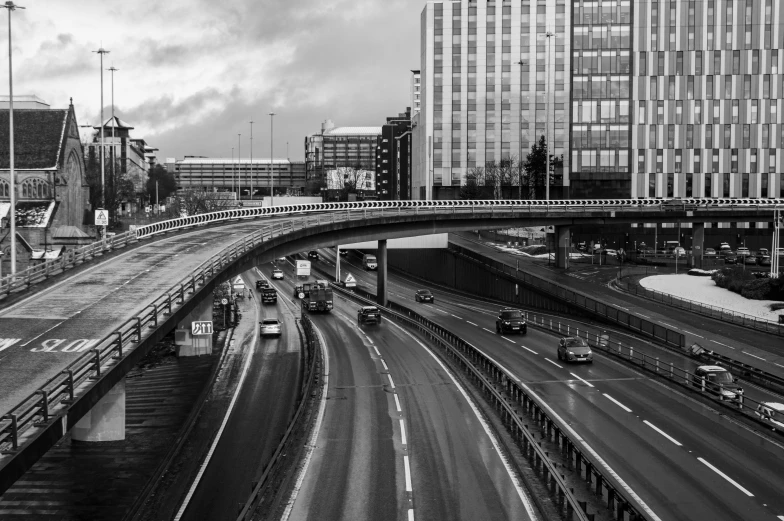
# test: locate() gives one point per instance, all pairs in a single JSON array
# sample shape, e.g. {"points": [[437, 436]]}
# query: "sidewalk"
{"points": [[745, 345]]}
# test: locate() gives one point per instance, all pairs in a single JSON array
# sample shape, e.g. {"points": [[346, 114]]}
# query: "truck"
{"points": [[369, 262], [319, 298], [269, 295], [303, 268]]}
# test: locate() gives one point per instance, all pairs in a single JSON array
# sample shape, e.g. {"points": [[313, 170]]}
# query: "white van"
{"points": [[369, 262]]}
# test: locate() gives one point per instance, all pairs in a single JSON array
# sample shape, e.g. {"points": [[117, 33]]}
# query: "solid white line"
{"points": [[556, 365], [589, 384], [391, 383], [397, 403], [207, 459], [512, 476], [311, 446], [652, 426], [695, 334], [42, 334], [471, 323], [509, 340], [407, 467], [755, 356], [720, 473], [531, 350], [491, 332], [456, 316], [384, 364], [616, 402], [403, 432]]}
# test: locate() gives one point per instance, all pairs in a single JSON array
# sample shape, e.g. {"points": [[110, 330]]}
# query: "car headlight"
{"points": [[590, 352], [570, 353], [506, 323]]}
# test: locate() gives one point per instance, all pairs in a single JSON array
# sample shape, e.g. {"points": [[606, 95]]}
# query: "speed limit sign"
{"points": [[301, 294]]}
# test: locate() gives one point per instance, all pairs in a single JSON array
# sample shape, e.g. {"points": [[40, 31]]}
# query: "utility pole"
{"points": [[272, 165], [520, 138], [12, 191], [101, 52], [251, 160], [547, 118], [113, 153], [239, 164], [157, 200], [233, 188]]}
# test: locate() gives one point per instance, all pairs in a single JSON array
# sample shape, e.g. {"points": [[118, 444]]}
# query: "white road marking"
{"points": [[725, 345], [509, 340], [774, 363], [589, 384], [410, 514], [512, 476], [652, 426], [384, 364], [668, 325], [391, 383], [646, 316], [695, 334], [397, 403], [471, 323], [456, 316], [491, 332], [403, 432], [42, 334], [755, 356], [616, 402], [233, 402], [527, 349], [374, 347], [407, 467], [720, 473], [556, 365]]}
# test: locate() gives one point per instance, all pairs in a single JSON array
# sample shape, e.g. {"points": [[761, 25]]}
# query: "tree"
{"points": [[167, 184], [192, 202], [471, 189], [116, 188], [535, 168]]}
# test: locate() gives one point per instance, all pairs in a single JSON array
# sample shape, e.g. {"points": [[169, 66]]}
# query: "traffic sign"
{"points": [[201, 327], [101, 217], [350, 281], [224, 301]]}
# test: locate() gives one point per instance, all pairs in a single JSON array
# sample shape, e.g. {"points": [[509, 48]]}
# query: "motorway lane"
{"points": [[669, 477], [265, 404], [389, 400]]}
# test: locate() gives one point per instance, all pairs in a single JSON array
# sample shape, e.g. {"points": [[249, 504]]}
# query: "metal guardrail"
{"points": [[734, 317], [507, 395]]}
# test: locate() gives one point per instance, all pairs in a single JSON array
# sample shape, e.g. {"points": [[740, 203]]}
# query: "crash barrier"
{"points": [[311, 363], [725, 315], [509, 397], [581, 301]]}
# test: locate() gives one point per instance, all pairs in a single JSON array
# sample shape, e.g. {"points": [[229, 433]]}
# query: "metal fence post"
{"points": [[44, 404]]}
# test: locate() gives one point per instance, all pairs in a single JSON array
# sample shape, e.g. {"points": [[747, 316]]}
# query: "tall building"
{"points": [[239, 175], [416, 91], [487, 88], [393, 158]]}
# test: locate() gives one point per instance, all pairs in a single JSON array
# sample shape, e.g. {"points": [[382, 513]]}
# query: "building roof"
{"points": [[353, 131], [38, 135], [116, 123]]}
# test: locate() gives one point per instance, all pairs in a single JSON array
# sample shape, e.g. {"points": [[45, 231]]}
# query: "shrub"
{"points": [[758, 289]]}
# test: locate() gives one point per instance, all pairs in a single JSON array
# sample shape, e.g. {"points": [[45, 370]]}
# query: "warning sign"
{"points": [[350, 281], [101, 217]]}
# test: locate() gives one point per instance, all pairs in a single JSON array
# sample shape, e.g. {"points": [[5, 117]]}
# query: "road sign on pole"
{"points": [[350, 281], [101, 217], [201, 327]]}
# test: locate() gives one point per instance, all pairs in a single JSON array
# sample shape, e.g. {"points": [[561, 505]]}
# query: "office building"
{"points": [[239, 175], [393, 158], [416, 91]]}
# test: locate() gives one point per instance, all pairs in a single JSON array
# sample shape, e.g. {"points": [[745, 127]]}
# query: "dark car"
{"points": [[262, 284], [717, 381], [343, 253], [574, 349], [368, 315], [511, 321], [730, 258], [424, 295], [313, 255]]}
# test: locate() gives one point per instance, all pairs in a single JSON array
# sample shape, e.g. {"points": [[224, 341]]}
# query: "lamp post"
{"points": [[547, 117], [272, 165], [521, 63], [251, 160], [12, 179], [232, 170], [239, 165], [101, 52], [113, 153]]}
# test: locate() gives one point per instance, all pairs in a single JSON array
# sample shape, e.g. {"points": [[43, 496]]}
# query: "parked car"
{"points": [[368, 315], [574, 349], [270, 327], [709, 252], [730, 258], [763, 260], [313, 255], [762, 251], [771, 412], [743, 251], [510, 320], [424, 295], [717, 381], [277, 274], [679, 251], [749, 259]]}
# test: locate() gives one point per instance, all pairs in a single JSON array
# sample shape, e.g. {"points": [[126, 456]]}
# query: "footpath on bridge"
{"points": [[752, 347]]}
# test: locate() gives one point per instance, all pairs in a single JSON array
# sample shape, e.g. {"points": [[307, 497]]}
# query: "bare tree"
{"points": [[192, 202]]}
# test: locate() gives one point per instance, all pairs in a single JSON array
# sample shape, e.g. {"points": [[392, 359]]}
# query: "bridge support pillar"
{"points": [[188, 344], [337, 264], [562, 246], [381, 280], [698, 243], [106, 420]]}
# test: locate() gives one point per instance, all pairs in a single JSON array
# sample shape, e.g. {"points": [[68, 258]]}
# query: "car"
{"points": [[771, 412], [313, 255], [424, 295], [763, 260], [730, 258], [574, 349], [762, 251], [743, 251], [277, 274], [270, 327], [368, 315], [709, 252], [262, 284], [749, 259], [718, 381], [510, 320]]}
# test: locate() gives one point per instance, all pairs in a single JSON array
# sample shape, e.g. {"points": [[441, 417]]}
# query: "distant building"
{"points": [[212, 174], [25, 101], [393, 158], [52, 208], [416, 91]]}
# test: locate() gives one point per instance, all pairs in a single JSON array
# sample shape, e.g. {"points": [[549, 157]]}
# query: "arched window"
{"points": [[35, 188], [4, 188]]}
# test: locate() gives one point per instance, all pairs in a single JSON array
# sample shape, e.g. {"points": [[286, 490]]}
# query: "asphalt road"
{"points": [[264, 406], [398, 435], [668, 447]]}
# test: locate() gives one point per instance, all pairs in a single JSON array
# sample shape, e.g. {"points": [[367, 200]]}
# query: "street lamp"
{"points": [[521, 63], [232, 170], [113, 153], [101, 52], [251, 160], [272, 166], [239, 165], [12, 192], [547, 116]]}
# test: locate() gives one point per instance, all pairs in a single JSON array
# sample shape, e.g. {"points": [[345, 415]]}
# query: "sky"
{"points": [[192, 74]]}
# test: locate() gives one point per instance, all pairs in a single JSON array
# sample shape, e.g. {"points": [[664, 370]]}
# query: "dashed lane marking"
{"points": [[403, 432], [652, 426], [725, 345], [384, 364], [695, 334], [391, 383], [456, 317], [589, 384], [755, 356], [397, 403], [668, 325], [469, 322], [528, 349], [556, 365], [509, 340], [732, 481], [616, 402], [646, 316], [407, 467], [487, 330]]}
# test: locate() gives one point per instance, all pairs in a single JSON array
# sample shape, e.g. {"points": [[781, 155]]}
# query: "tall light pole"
{"points": [[547, 117], [101, 52], [12, 192], [251, 160], [272, 165], [232, 170], [239, 165], [521, 63], [114, 150]]}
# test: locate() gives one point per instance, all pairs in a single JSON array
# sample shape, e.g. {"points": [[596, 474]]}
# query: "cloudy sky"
{"points": [[193, 73]]}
